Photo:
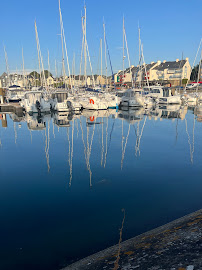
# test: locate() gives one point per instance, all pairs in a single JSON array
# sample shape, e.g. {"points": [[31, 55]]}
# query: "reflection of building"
{"points": [[3, 120]]}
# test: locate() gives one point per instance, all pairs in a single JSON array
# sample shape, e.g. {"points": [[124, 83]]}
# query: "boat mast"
{"points": [[123, 55], [48, 70], [38, 53], [128, 57], [40, 57], [23, 68], [82, 48], [194, 62], [145, 67], [73, 77], [7, 67], [105, 52], [140, 57], [199, 72], [101, 62], [63, 58], [85, 45], [56, 74]]}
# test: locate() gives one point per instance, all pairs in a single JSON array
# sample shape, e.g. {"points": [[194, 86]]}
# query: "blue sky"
{"points": [[168, 28]]}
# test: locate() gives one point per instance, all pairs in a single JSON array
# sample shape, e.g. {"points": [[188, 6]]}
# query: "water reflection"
{"points": [[132, 159], [90, 122]]}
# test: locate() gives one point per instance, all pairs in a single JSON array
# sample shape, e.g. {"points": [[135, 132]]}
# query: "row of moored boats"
{"points": [[40, 101]]}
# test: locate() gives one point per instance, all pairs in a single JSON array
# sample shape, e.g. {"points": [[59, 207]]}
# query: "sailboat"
{"points": [[132, 97], [37, 101]]}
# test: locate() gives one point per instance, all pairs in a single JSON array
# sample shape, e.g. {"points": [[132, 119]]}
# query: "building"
{"points": [[50, 81], [13, 79], [172, 72]]}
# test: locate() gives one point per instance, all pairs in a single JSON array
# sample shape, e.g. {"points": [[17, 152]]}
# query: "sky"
{"points": [[168, 30]]}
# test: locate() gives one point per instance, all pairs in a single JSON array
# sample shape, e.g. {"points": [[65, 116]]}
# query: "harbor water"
{"points": [[65, 179]]}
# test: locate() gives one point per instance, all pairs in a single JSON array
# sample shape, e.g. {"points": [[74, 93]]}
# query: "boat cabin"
{"points": [[61, 96]]}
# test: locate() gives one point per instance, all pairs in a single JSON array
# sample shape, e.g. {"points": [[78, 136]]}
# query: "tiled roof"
{"points": [[171, 65]]}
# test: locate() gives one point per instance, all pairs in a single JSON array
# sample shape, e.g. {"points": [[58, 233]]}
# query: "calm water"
{"points": [[65, 180]]}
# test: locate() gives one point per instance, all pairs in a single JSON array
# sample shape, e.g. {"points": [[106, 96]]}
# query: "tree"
{"points": [[35, 75], [47, 74], [194, 73]]}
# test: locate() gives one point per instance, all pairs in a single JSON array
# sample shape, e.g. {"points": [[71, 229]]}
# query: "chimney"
{"points": [[158, 62], [152, 62], [164, 61], [187, 58], [177, 60]]}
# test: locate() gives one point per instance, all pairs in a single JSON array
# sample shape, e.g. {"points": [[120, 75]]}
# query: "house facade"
{"points": [[167, 71]]}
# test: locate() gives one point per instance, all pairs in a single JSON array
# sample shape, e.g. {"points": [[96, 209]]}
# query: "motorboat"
{"points": [[60, 101], [164, 95], [132, 98], [15, 94], [36, 102]]}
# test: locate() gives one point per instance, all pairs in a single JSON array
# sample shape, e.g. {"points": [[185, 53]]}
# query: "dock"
{"points": [[11, 108], [174, 246]]}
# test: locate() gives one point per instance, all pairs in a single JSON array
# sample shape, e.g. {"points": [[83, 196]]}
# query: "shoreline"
{"points": [[175, 245]]}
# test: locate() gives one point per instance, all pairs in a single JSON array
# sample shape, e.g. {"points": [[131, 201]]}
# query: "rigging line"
{"points": [[199, 72], [128, 57], [194, 62], [110, 61], [90, 64], [63, 34]]}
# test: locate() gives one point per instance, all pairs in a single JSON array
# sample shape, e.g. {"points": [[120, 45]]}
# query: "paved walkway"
{"points": [[174, 246]]}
